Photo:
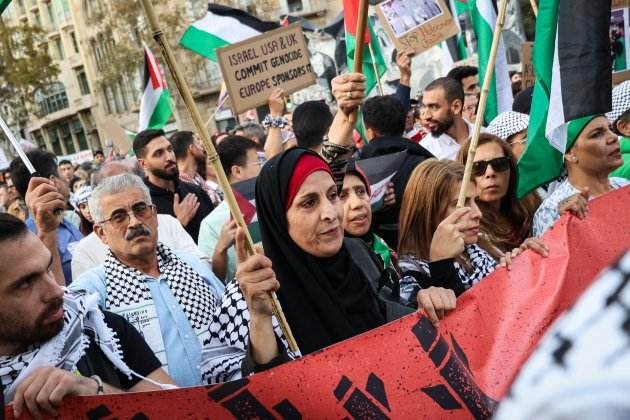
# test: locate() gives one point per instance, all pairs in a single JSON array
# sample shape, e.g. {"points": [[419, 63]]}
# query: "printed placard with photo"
{"points": [[417, 24]]}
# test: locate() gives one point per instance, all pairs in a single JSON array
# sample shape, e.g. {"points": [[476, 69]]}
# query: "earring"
{"points": [[573, 158]]}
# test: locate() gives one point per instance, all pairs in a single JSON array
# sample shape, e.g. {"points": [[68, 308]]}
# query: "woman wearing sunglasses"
{"points": [[438, 243], [507, 221]]}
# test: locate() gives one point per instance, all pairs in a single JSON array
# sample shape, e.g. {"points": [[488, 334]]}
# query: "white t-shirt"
{"points": [[91, 251], [445, 146]]}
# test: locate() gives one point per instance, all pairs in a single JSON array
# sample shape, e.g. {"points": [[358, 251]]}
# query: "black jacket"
{"points": [[163, 199], [385, 223]]}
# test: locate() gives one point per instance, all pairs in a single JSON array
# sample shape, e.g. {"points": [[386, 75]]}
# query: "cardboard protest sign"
{"points": [[528, 66], [253, 68], [117, 134], [419, 24], [408, 368]]}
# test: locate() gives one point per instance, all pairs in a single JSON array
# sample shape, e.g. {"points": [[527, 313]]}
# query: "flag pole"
{"points": [[359, 45], [534, 7], [482, 102], [378, 79], [216, 111], [202, 131], [17, 146]]}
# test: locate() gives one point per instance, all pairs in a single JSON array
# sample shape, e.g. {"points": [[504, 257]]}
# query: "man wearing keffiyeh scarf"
{"points": [[168, 296], [55, 343]]}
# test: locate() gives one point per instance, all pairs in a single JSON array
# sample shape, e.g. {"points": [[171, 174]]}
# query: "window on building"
{"points": [[54, 141], [109, 100], [66, 137], [84, 86], [295, 6], [39, 139], [37, 20], [20, 6], [73, 40], [51, 98], [59, 53], [80, 134], [63, 11], [51, 15]]}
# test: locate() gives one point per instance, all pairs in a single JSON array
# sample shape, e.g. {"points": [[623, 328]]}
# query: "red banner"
{"points": [[408, 369]]}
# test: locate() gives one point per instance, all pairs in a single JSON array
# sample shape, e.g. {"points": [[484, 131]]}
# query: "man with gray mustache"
{"points": [[169, 296]]}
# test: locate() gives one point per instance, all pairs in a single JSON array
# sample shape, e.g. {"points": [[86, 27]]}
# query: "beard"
{"points": [[200, 160], [172, 175], [14, 328], [443, 126]]}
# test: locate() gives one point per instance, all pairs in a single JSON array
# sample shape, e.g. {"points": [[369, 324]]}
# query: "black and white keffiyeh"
{"points": [[223, 354], [82, 319], [127, 286], [620, 101], [507, 124], [581, 368], [482, 264]]}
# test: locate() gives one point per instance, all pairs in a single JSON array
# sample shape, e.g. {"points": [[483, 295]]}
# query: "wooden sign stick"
{"points": [[202, 131], [359, 46], [482, 103]]}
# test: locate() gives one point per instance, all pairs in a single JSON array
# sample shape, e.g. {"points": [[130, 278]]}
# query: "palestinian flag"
{"points": [[3, 5], [500, 98], [245, 193], [573, 71], [224, 98], [222, 26], [155, 105], [379, 171], [350, 16], [455, 48]]}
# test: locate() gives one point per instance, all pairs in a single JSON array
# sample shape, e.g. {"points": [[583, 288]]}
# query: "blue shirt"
{"points": [[67, 236], [183, 350]]}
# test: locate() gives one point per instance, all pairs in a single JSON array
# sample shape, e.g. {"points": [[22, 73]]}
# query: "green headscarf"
{"points": [[575, 128]]}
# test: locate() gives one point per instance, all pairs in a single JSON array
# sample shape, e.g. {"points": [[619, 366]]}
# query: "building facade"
{"points": [[75, 111]]}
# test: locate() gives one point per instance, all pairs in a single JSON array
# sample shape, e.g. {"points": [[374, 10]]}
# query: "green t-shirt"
{"points": [[624, 170]]}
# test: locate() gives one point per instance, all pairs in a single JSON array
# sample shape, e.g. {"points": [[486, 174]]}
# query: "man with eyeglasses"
{"points": [[239, 158], [169, 296], [187, 202]]}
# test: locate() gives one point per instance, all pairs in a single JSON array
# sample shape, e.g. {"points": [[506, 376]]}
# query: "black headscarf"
{"points": [[351, 169], [325, 300]]}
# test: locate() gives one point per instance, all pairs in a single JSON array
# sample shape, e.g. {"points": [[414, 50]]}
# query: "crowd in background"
{"points": [[153, 235]]}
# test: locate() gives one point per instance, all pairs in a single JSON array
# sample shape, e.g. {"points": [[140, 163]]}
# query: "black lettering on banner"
{"points": [[358, 404], [218, 392], [282, 44], [441, 395], [245, 405], [139, 416], [455, 372], [287, 410], [291, 40], [98, 413]]}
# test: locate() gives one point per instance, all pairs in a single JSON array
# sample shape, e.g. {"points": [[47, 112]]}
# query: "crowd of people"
{"points": [[134, 273]]}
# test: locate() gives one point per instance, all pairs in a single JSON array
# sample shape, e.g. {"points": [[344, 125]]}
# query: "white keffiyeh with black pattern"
{"points": [[82, 319], [128, 294], [482, 265], [223, 354]]}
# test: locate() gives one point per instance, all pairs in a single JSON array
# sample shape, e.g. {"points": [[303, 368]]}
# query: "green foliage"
{"points": [[122, 28], [25, 65]]}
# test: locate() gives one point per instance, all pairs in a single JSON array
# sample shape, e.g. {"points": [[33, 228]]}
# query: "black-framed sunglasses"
{"points": [[121, 217], [498, 165]]}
